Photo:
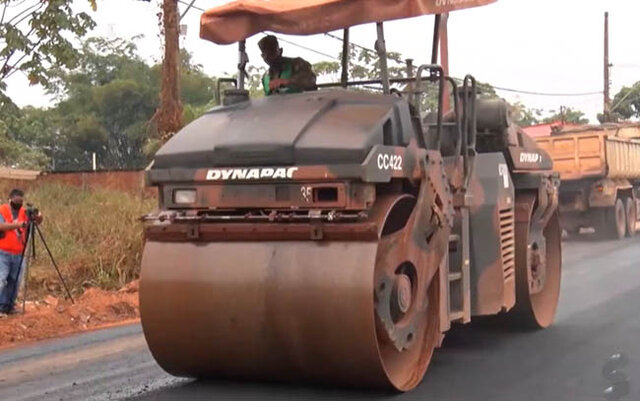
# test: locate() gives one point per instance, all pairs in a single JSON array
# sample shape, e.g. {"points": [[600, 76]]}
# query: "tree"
{"points": [[35, 38], [13, 152], [169, 114], [566, 115], [626, 103], [525, 116], [104, 106]]}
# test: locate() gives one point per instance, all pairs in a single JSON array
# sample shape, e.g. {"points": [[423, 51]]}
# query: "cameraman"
{"points": [[13, 224]]}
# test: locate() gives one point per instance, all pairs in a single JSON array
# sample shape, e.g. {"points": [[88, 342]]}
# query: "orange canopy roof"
{"points": [[240, 19]]}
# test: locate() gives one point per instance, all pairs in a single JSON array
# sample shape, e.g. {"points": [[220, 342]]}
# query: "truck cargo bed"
{"points": [[593, 155]]}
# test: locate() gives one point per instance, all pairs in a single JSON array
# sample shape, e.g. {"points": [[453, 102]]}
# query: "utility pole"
{"points": [[169, 114], [607, 70]]}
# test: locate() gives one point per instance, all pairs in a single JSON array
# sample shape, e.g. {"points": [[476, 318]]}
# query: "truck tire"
{"points": [[632, 216], [614, 224]]}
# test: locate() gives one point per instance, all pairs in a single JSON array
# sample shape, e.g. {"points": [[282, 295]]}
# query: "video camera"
{"points": [[31, 212]]}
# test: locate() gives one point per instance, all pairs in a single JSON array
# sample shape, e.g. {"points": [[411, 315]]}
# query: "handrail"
{"points": [[370, 82], [436, 75], [470, 127], [456, 111]]}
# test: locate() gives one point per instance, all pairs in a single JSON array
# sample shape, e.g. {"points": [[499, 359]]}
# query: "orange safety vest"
{"points": [[13, 240]]}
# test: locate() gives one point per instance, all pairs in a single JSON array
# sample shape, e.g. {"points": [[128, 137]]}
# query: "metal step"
{"points": [[457, 273]]}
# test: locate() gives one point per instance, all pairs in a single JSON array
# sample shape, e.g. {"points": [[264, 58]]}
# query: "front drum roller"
{"points": [[361, 314], [538, 267]]}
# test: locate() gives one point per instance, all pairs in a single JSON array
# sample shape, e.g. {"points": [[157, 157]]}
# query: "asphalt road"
{"points": [[599, 316]]}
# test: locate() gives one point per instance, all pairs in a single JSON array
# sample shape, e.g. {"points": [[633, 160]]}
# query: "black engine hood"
{"points": [[326, 127]]}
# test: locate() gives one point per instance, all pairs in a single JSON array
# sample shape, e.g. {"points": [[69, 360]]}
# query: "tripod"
{"points": [[29, 252]]}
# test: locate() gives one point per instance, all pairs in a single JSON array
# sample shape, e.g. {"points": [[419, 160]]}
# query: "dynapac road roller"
{"points": [[334, 236]]}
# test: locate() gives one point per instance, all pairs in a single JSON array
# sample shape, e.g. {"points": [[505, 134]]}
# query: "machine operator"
{"points": [[285, 75]]}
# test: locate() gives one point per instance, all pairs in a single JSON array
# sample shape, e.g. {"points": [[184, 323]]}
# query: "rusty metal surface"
{"points": [[293, 264], [339, 195], [320, 302], [262, 310], [294, 310]]}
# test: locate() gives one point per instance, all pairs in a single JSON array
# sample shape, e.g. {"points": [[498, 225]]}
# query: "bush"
{"points": [[95, 237]]}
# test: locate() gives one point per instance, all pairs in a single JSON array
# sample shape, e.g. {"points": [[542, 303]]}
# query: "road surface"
{"points": [[599, 315]]}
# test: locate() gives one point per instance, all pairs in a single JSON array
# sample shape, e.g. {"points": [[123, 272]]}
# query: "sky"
{"points": [[550, 46]]}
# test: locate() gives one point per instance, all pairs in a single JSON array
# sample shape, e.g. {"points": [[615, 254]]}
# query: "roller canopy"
{"points": [[241, 19]]}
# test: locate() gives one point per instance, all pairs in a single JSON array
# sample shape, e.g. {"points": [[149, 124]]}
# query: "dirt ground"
{"points": [[53, 317]]}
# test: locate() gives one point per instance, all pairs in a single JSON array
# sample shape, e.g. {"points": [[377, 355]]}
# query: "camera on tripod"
{"points": [[31, 211]]}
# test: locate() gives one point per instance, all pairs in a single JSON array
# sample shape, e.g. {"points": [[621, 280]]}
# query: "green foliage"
{"points": [[105, 105], [16, 126], [36, 38], [567, 115], [254, 83], [626, 103], [524, 116]]}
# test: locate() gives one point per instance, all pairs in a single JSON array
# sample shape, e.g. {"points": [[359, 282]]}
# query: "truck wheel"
{"points": [[615, 221], [632, 215], [538, 269]]}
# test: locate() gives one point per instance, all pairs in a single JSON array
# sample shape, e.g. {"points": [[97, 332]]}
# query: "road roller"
{"points": [[334, 236]]}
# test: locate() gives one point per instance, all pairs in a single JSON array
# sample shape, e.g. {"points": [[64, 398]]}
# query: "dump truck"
{"points": [[334, 236], [599, 169]]}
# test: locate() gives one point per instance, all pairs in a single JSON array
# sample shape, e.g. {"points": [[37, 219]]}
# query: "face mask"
{"points": [[16, 206]]}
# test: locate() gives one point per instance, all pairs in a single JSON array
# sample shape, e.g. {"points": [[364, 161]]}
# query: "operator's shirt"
{"points": [[297, 70]]}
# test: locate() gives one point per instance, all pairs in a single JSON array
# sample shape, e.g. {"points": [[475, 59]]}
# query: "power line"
{"points": [[524, 92], [307, 48], [192, 5], [351, 43]]}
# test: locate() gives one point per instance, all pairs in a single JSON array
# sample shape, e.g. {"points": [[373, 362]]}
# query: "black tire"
{"points": [[632, 216], [536, 310], [614, 222]]}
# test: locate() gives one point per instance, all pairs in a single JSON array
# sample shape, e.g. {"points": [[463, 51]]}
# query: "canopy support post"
{"points": [[410, 86], [444, 59], [436, 39], [382, 55], [243, 59], [345, 58]]}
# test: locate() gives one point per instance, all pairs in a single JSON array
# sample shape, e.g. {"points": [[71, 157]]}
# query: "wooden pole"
{"points": [[169, 115]]}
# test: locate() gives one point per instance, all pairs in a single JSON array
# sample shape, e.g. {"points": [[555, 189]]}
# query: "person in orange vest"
{"points": [[285, 75], [13, 225]]}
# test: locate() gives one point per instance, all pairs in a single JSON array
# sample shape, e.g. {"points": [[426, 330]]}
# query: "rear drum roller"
{"points": [[632, 216], [538, 269], [351, 313]]}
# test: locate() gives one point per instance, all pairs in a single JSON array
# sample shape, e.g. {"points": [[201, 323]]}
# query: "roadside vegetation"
{"points": [[95, 238]]}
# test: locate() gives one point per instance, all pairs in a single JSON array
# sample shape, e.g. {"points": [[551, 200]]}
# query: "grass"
{"points": [[94, 236]]}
